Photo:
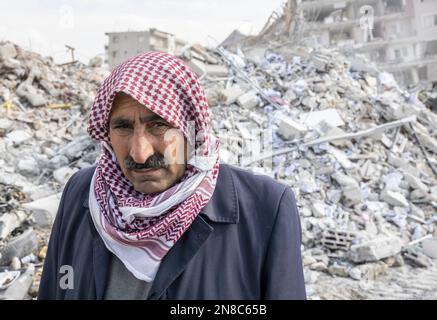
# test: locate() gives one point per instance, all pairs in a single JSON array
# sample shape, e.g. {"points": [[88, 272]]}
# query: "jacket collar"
{"points": [[223, 205]]}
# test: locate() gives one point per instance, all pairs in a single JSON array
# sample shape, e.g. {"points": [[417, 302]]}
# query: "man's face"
{"points": [[150, 152]]}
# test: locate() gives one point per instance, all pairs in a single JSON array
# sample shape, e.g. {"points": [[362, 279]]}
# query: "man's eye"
{"points": [[121, 126], [160, 125], [158, 128]]}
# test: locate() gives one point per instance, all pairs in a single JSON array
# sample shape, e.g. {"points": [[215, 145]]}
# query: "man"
{"points": [[158, 216]]}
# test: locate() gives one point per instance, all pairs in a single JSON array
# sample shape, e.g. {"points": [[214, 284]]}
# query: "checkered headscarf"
{"points": [[141, 228]]}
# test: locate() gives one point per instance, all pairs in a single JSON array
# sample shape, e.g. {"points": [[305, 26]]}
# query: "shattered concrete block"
{"points": [[5, 126], [18, 136], [289, 96], [355, 273], [44, 210], [330, 116], [318, 266], [318, 209], [320, 61], [415, 182], [7, 51], [338, 270], [73, 149], [58, 161], [375, 250], [197, 66], [231, 94], [19, 288], [394, 198], [416, 257], [29, 93], [62, 174], [19, 246], [350, 188], [337, 239], [215, 70], [248, 100], [341, 157], [290, 129], [371, 271], [28, 167], [308, 260], [429, 247], [310, 102], [9, 221], [334, 195]]}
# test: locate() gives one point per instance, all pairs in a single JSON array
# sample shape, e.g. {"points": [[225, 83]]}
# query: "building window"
{"points": [[404, 51], [115, 39], [114, 54], [430, 21], [397, 54]]}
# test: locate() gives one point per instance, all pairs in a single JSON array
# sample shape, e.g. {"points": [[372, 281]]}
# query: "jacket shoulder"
{"points": [[81, 180]]}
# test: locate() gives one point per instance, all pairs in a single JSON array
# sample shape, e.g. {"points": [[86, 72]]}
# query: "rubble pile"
{"points": [[358, 151], [43, 141]]}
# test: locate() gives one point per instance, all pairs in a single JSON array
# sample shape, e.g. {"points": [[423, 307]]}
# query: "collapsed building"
{"points": [[356, 148]]}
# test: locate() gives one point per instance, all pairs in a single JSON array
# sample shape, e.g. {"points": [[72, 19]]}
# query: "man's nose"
{"points": [[141, 147]]}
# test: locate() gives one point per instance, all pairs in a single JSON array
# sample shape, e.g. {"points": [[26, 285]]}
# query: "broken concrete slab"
{"points": [[429, 247], [18, 290], [375, 250], [415, 182], [62, 174], [7, 51], [198, 66], [28, 167], [19, 246], [213, 70], [290, 129], [230, 95], [330, 116], [44, 210], [394, 198], [248, 100], [10, 221], [19, 136]]}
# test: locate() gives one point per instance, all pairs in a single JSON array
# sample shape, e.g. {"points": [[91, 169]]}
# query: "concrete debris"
{"points": [[376, 249], [357, 150], [416, 257], [394, 198], [18, 289], [43, 141], [44, 209], [337, 239], [290, 129], [330, 116], [231, 94], [18, 246], [429, 247], [248, 100]]}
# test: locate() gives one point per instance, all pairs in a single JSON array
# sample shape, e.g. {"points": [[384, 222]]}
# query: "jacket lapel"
{"points": [[179, 255], [222, 208]]}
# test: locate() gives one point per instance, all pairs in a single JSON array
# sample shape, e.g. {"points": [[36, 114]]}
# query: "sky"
{"points": [[47, 26]]}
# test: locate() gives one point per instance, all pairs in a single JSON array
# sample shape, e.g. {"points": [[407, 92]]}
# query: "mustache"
{"points": [[153, 162]]}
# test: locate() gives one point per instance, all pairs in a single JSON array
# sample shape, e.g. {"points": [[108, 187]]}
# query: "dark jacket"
{"points": [[244, 244]]}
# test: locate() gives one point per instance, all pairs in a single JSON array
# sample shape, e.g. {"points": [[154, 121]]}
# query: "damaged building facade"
{"points": [[358, 150], [401, 35], [123, 45]]}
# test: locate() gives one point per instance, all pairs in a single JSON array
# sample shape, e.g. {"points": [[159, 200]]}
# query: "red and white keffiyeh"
{"points": [[141, 228]]}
